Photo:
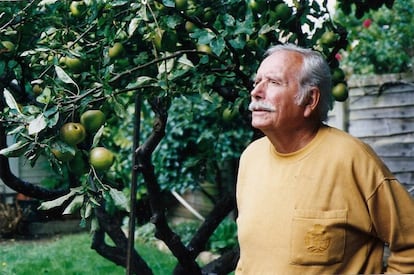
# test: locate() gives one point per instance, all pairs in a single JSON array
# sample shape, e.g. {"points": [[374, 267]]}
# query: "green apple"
{"points": [[282, 12], [229, 114], [328, 38], [181, 5], [73, 63], [204, 48], [72, 133], [190, 26], [338, 75], [257, 5], [77, 8], [340, 92], [37, 89], [116, 50], [92, 120], [209, 15], [101, 158]]}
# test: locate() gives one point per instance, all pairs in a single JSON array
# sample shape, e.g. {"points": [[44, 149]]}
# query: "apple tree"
{"points": [[129, 100]]}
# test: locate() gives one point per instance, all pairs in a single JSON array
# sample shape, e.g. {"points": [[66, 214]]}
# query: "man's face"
{"points": [[273, 99]]}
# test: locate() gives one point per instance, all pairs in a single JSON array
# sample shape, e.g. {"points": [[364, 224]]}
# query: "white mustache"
{"points": [[261, 106]]}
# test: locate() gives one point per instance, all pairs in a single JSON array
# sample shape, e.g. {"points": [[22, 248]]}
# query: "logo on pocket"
{"points": [[317, 240]]}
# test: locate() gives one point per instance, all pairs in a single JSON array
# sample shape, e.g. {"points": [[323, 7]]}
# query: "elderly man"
{"points": [[311, 198]]}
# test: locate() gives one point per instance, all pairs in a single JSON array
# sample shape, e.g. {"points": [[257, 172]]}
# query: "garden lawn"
{"points": [[69, 255]]}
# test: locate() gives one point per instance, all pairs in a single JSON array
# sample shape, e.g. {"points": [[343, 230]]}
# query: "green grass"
{"points": [[71, 254]]}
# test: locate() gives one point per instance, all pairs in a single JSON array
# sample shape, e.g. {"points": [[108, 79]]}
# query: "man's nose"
{"points": [[258, 89]]}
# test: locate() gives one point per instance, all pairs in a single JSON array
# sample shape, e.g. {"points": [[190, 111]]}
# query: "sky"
{"points": [[331, 8], [331, 4]]}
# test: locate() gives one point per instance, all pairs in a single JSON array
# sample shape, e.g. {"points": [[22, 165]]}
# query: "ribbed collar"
{"points": [[303, 152]]}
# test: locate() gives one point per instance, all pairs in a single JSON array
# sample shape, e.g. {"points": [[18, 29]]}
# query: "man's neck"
{"points": [[289, 141]]}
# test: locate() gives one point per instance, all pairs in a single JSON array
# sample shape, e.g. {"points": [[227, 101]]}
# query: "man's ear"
{"points": [[312, 102]]}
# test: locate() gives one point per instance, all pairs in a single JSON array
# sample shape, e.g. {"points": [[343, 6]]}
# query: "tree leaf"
{"points": [[93, 201], [184, 60], [62, 75], [17, 130], [119, 198], [59, 201], [37, 125], [94, 225], [133, 25], [74, 205], [97, 136], [46, 2], [10, 101], [87, 210], [217, 45], [14, 150], [45, 96], [53, 120], [168, 3]]}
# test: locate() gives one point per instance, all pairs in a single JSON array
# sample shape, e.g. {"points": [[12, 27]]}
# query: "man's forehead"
{"points": [[292, 56], [269, 74], [280, 61]]}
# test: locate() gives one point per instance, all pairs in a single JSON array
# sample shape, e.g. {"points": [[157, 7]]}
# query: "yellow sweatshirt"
{"points": [[328, 208]]}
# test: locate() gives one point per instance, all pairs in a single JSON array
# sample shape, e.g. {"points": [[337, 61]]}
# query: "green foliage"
{"points": [[225, 237], [381, 41], [186, 230], [145, 233], [200, 157], [360, 7]]}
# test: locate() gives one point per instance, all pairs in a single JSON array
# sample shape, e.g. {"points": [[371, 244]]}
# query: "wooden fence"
{"points": [[380, 111]]}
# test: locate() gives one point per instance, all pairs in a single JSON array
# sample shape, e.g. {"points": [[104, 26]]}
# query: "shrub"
{"points": [[10, 217]]}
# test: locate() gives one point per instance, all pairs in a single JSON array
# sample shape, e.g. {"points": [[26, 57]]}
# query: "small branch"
{"points": [[17, 15], [122, 91], [81, 36], [157, 60]]}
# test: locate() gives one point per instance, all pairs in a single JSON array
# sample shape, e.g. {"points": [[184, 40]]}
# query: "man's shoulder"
{"points": [[260, 143], [347, 146], [258, 147], [342, 139]]}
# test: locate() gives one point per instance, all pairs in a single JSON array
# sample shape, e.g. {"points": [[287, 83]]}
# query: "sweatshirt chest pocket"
{"points": [[318, 237]]}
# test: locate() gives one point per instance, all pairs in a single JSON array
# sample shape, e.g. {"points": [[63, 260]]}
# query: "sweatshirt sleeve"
{"points": [[392, 212]]}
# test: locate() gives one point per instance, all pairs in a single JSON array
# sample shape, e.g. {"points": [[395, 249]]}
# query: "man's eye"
{"points": [[275, 82]]}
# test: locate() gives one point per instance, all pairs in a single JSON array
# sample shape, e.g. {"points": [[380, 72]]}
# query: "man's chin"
{"points": [[259, 125]]}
